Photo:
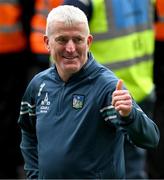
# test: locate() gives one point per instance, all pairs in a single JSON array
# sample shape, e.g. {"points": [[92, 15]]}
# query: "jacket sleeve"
{"points": [[27, 121], [141, 129]]}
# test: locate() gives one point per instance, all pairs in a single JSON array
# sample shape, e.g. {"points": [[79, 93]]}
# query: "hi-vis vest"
{"points": [[124, 41], [12, 37], [38, 24], [159, 25]]}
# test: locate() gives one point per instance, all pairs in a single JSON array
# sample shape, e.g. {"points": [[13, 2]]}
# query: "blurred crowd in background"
{"points": [[128, 38]]}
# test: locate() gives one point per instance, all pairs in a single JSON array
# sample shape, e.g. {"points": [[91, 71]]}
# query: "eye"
{"points": [[78, 40], [61, 40]]}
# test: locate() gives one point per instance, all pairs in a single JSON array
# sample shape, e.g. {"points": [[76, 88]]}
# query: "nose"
{"points": [[70, 46]]}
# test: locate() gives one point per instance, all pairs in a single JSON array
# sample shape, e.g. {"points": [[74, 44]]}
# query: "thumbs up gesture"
{"points": [[121, 100]]}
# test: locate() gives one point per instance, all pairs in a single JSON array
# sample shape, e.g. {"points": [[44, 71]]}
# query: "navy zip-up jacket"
{"points": [[71, 130]]}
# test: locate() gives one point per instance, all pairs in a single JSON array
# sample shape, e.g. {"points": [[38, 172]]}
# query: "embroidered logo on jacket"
{"points": [[45, 103], [41, 88], [78, 101]]}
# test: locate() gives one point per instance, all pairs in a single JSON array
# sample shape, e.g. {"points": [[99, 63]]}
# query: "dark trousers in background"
{"points": [[156, 156], [13, 80]]}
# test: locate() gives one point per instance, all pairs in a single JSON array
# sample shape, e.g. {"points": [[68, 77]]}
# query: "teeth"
{"points": [[70, 58]]}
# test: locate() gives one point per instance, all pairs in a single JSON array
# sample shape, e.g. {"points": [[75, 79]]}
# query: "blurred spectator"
{"points": [[13, 58], [40, 57], [156, 157], [124, 42]]}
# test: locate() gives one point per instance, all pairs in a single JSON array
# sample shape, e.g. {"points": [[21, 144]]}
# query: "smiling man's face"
{"points": [[69, 47]]}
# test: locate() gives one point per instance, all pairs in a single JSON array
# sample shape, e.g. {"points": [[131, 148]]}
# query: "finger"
{"points": [[119, 85], [122, 102]]}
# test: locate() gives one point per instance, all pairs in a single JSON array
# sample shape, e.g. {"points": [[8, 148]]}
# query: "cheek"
{"points": [[84, 49], [87, 47], [55, 51]]}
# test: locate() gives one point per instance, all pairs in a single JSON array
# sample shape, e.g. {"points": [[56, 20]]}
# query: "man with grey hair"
{"points": [[74, 115]]}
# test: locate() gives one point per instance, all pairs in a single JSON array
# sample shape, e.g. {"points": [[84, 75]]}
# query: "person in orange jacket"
{"points": [[13, 66], [156, 157], [40, 58]]}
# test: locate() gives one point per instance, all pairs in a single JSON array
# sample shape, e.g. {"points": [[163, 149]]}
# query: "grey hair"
{"points": [[67, 14]]}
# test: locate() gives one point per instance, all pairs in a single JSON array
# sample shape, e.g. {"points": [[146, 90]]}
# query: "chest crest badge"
{"points": [[78, 101]]}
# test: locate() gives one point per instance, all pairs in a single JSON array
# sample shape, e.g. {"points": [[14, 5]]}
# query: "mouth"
{"points": [[70, 57]]}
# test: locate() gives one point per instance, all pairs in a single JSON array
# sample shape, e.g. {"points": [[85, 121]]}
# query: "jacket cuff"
{"points": [[125, 121]]}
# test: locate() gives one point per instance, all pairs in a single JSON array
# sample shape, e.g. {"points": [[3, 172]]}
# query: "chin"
{"points": [[73, 69]]}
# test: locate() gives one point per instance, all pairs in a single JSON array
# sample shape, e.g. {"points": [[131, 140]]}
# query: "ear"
{"points": [[89, 40], [46, 43]]}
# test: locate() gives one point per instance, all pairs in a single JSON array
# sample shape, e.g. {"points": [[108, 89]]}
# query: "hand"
{"points": [[121, 100]]}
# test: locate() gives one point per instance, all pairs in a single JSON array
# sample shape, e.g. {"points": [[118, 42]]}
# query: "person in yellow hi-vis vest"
{"points": [[124, 41]]}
